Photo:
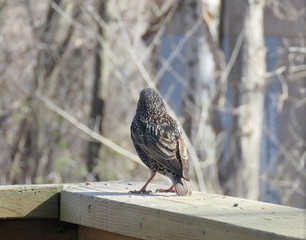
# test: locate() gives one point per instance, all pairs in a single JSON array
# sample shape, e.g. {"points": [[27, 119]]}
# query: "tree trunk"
{"points": [[201, 80], [240, 172], [43, 135], [98, 102]]}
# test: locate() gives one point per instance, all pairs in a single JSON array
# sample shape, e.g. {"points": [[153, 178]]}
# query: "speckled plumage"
{"points": [[158, 141]]}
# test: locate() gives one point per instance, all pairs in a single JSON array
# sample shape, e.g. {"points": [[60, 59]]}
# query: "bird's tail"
{"points": [[182, 186]]}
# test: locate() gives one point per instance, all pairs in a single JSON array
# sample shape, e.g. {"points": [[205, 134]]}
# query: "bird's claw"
{"points": [[141, 192]]}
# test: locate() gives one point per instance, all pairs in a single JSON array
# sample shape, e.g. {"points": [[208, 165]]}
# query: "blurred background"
{"points": [[232, 72]]}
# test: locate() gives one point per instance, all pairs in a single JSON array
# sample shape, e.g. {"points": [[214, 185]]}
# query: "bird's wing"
{"points": [[161, 145], [182, 150]]}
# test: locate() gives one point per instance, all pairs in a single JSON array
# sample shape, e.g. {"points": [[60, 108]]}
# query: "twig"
{"points": [[178, 49], [98, 137]]}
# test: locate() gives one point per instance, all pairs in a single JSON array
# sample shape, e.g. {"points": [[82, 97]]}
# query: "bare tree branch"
{"points": [[48, 103]]}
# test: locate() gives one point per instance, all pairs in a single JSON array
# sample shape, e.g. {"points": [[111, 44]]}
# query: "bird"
{"points": [[159, 143]]}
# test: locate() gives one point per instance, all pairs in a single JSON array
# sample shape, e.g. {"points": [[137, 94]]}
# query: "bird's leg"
{"points": [[143, 189], [171, 189]]}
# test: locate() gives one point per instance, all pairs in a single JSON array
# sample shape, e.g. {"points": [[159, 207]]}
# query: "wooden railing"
{"points": [[106, 210]]}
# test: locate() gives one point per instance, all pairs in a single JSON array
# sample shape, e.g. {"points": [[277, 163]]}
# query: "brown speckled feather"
{"points": [[158, 140]]}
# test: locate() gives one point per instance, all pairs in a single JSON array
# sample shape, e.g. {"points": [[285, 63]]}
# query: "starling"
{"points": [[159, 143]]}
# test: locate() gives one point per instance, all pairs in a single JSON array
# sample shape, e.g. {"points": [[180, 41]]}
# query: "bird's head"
{"points": [[150, 102]]}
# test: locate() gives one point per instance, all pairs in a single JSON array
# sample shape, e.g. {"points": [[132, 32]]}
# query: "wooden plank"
{"points": [[37, 229], [30, 201], [109, 207], [86, 233]]}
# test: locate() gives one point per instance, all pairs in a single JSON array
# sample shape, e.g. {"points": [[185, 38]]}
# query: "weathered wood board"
{"points": [[109, 207], [30, 201]]}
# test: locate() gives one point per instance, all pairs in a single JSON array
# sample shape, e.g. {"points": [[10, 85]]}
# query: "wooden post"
{"points": [[32, 212]]}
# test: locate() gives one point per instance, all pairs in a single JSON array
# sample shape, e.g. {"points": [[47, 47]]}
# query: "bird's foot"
{"points": [[88, 183], [171, 189], [141, 191]]}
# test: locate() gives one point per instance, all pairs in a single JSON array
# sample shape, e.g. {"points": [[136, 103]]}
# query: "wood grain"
{"points": [[30, 201], [109, 207]]}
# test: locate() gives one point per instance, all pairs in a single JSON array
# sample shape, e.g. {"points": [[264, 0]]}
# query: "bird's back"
{"points": [[158, 141]]}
